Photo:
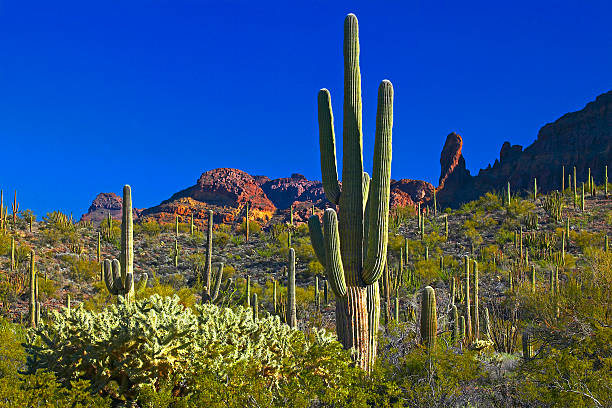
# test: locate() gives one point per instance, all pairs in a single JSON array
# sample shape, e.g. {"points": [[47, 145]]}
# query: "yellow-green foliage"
{"points": [[254, 228], [221, 239], [81, 269], [149, 227], [46, 288]]}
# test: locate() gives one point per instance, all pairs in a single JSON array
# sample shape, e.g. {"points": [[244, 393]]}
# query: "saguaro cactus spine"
{"points": [[429, 320], [126, 256], [355, 267]]}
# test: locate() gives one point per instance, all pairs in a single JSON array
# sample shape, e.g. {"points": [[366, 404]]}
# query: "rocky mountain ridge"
{"points": [[582, 139]]}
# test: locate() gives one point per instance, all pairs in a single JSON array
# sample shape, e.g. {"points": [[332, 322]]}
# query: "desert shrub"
{"points": [[82, 270], [157, 341], [149, 227], [46, 288], [221, 239], [315, 268], [254, 228], [574, 372], [435, 378]]}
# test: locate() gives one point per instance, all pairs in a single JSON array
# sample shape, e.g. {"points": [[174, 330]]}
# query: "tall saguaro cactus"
{"points": [[353, 244]]}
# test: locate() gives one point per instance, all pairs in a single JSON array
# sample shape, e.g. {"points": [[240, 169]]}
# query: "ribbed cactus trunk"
{"points": [[429, 319], [291, 312], [126, 257], [353, 244]]}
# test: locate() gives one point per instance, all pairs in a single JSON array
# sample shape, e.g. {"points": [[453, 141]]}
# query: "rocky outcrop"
{"points": [[225, 191], [285, 191], [406, 192], [103, 204], [582, 139]]}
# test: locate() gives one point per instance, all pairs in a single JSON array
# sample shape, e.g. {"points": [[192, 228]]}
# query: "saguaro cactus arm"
{"points": [[316, 238], [333, 258], [380, 187], [327, 143]]}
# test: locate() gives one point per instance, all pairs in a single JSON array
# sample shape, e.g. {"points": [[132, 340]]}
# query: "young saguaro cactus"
{"points": [[353, 247], [429, 320]]}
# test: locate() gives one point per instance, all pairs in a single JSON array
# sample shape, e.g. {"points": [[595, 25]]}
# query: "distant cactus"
{"points": [[99, 249], [248, 291], [209, 250], [487, 324], [508, 194], [429, 320], [446, 225], [176, 253], [191, 225], [316, 293], [246, 223], [468, 317], [606, 181], [535, 189], [435, 203], [476, 314], [582, 199], [13, 265], [397, 308], [255, 306], [454, 321], [15, 210], [533, 279], [33, 297], [527, 345], [291, 312], [176, 225], [462, 328]]}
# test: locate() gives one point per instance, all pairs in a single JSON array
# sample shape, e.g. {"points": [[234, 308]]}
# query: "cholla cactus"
{"points": [[151, 341]]}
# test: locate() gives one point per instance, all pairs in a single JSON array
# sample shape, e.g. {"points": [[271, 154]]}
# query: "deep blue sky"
{"points": [[96, 94]]}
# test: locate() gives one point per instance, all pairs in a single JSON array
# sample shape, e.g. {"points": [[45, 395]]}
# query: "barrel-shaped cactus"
{"points": [[353, 247], [429, 319]]}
